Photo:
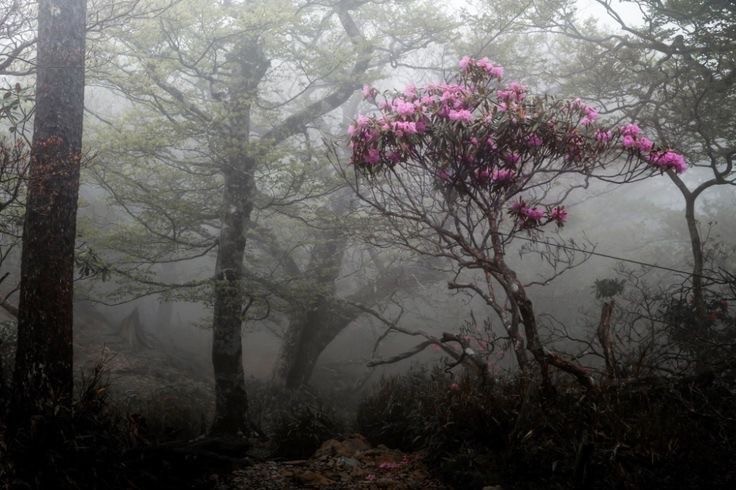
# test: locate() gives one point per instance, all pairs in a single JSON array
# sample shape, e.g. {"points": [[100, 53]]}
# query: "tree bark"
{"points": [[309, 334], [238, 166], [43, 379], [696, 246], [542, 356], [231, 402]]}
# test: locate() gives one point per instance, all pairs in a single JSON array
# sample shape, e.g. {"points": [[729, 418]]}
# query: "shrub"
{"points": [[649, 433], [296, 421]]}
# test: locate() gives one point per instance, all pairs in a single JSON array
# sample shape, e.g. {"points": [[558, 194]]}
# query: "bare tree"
{"points": [[674, 71]]}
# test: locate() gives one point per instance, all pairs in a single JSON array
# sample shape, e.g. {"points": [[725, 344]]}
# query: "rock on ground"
{"points": [[348, 463]]}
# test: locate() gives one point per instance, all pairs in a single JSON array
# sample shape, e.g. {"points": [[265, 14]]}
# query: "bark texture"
{"points": [[238, 163], [43, 366], [238, 166]]}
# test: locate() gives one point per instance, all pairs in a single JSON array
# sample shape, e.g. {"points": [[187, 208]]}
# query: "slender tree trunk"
{"points": [[696, 244], [231, 402], [238, 167], [696, 247], [542, 356], [43, 367]]}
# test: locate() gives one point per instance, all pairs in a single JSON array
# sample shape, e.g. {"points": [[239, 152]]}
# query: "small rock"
{"points": [[352, 462], [313, 479]]}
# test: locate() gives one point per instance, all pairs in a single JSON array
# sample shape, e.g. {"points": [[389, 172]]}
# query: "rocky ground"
{"points": [[346, 463]]}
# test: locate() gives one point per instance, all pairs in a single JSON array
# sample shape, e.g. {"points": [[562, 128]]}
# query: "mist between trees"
{"points": [[314, 194]]}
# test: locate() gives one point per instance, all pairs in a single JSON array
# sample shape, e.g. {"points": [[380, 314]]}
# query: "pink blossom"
{"points": [[590, 116], [360, 123], [465, 63], [463, 115], [534, 140], [410, 91], [629, 141], [494, 71], [669, 160], [403, 108], [534, 214], [518, 207], [631, 129], [483, 174], [404, 127], [502, 175], [589, 113], [645, 144], [558, 214], [454, 387], [394, 156], [514, 92], [369, 93], [512, 158], [603, 136], [373, 156]]}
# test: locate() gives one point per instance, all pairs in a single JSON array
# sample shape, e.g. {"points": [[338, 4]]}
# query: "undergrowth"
{"points": [[100, 444], [649, 433], [296, 422]]}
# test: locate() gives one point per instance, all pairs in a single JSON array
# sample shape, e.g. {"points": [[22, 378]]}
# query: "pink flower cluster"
{"points": [[534, 216], [484, 64], [590, 114], [511, 96], [668, 160], [478, 135], [632, 139]]}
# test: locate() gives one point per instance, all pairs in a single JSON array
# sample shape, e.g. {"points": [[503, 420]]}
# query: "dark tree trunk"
{"points": [[308, 335], [238, 165], [43, 366], [227, 348], [312, 329], [696, 247]]}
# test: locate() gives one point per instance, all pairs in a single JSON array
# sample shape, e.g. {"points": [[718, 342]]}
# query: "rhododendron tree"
{"points": [[460, 168]]}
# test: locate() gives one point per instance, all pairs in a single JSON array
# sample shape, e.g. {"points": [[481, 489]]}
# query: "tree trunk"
{"points": [[696, 247], [542, 356], [308, 335], [238, 166], [231, 402], [43, 367]]}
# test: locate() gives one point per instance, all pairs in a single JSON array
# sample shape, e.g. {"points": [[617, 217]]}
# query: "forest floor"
{"points": [[345, 463]]}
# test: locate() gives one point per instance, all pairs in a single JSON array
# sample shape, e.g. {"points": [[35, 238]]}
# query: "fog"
{"points": [[300, 220]]}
